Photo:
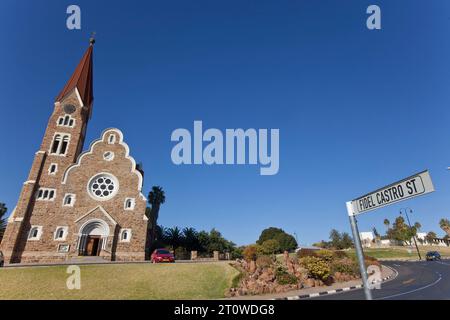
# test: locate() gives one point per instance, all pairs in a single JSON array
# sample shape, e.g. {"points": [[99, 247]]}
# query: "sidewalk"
{"points": [[386, 273]]}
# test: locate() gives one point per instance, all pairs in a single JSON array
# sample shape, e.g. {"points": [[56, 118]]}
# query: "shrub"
{"points": [[237, 253], [283, 277], [264, 261], [286, 278], [252, 252], [340, 254], [270, 246], [326, 255], [302, 253], [317, 268], [346, 266]]}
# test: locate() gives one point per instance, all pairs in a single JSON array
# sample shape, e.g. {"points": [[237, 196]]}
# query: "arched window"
{"points": [[35, 233], [69, 200], [53, 168], [60, 144], [45, 194], [65, 142], [66, 121], [125, 235], [61, 233], [112, 139], [129, 204], [56, 142]]}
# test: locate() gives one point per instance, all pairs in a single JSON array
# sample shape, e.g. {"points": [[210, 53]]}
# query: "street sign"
{"points": [[413, 186]]}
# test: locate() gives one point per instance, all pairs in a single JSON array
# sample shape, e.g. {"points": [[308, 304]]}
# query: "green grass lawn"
{"points": [[402, 252], [127, 281]]}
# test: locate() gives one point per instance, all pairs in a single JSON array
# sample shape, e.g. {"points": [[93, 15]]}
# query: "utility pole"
{"points": [[410, 227]]}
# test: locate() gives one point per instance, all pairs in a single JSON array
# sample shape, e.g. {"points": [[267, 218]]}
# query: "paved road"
{"points": [[415, 281]]}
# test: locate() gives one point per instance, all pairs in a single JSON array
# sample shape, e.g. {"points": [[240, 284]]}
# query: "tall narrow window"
{"points": [[53, 168], [66, 121], [65, 142], [46, 194], [56, 143], [112, 139]]}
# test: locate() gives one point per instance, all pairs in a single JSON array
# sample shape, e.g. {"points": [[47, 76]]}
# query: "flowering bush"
{"points": [[317, 267], [326, 255]]}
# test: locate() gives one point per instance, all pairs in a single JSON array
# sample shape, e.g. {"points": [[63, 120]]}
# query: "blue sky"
{"points": [[356, 109]]}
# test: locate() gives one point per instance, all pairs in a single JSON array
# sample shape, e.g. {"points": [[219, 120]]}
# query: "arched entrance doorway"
{"points": [[93, 236]]}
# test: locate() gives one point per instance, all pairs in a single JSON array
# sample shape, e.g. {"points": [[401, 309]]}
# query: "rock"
{"points": [[252, 267], [309, 283]]}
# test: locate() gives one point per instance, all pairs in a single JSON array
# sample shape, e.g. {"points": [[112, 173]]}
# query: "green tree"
{"points": [[156, 197], [445, 225], [387, 223], [418, 226], [287, 242], [430, 237], [339, 240], [400, 231], [190, 239], [3, 211], [375, 232], [271, 246], [173, 237], [347, 241]]}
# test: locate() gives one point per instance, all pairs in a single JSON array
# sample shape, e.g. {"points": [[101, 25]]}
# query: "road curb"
{"points": [[323, 293]]}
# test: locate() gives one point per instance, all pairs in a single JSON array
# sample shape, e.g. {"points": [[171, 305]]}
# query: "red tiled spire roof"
{"points": [[81, 78]]}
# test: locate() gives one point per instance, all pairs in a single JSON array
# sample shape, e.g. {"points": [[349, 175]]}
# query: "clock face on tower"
{"points": [[68, 108]]}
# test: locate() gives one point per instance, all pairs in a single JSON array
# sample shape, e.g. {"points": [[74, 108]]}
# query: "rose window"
{"points": [[103, 186]]}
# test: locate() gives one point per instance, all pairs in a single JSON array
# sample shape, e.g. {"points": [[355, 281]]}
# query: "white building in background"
{"points": [[367, 238], [421, 237]]}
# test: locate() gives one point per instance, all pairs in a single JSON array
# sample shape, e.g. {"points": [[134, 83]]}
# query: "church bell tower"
{"points": [[61, 145]]}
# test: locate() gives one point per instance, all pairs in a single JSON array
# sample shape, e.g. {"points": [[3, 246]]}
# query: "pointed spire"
{"points": [[82, 78]]}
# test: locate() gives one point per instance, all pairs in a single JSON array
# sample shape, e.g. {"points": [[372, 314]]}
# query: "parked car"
{"points": [[162, 255], [433, 255], [2, 259]]}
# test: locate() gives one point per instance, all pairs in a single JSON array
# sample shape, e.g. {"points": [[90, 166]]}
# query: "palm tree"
{"points": [[3, 210], [445, 225], [417, 225], [173, 237], [156, 197], [190, 236], [387, 223], [430, 237]]}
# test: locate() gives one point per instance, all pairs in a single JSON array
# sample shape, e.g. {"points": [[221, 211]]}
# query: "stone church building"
{"points": [[78, 203]]}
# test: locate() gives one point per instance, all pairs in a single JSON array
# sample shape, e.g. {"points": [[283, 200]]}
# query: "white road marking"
{"points": [[415, 290]]}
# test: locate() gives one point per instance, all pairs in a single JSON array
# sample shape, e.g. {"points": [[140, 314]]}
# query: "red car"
{"points": [[162, 255]]}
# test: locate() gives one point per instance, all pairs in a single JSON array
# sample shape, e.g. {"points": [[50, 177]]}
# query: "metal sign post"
{"points": [[413, 186], [359, 251]]}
